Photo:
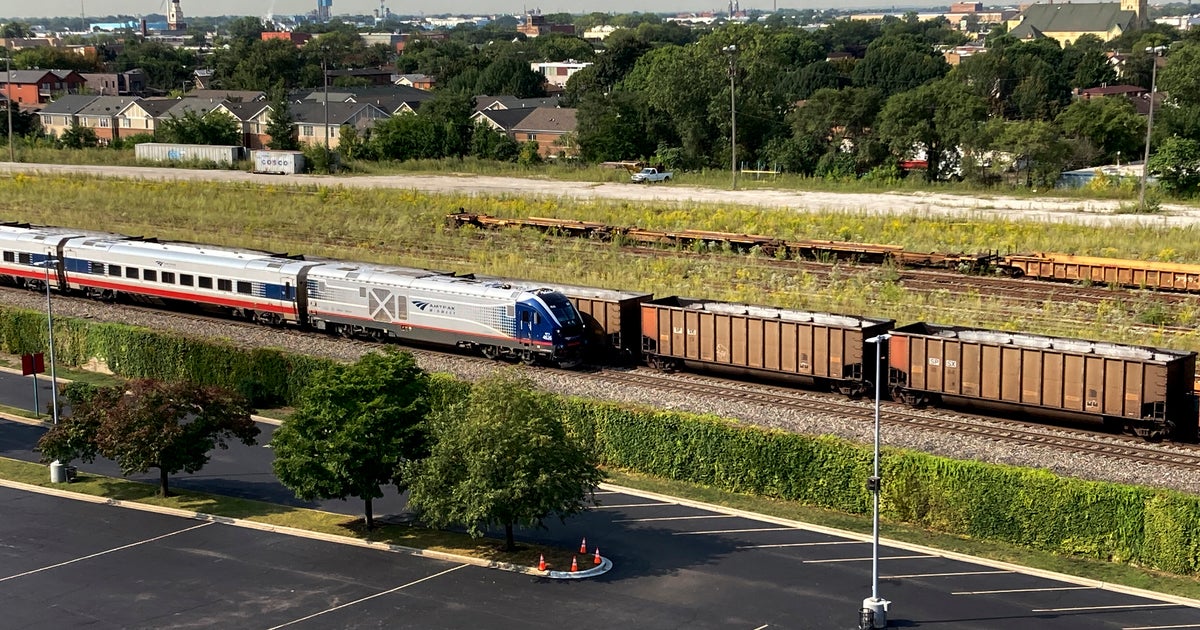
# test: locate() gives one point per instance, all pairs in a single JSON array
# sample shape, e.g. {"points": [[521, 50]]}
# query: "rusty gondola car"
{"points": [[825, 348], [1144, 391]]}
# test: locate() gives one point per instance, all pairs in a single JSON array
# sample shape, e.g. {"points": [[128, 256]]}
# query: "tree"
{"points": [[942, 118], [23, 122], [196, 128], [1176, 164], [489, 144], [1037, 150], [78, 136], [502, 458], [353, 429], [281, 127], [1111, 124], [16, 29], [149, 424], [898, 63]]}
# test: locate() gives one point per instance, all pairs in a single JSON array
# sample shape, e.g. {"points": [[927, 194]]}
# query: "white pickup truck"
{"points": [[648, 175]]}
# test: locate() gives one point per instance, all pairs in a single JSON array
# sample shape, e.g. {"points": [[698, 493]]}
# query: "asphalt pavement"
{"points": [[68, 563]]}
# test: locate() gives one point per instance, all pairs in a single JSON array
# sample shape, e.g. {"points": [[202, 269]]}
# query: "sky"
{"points": [[24, 9]]}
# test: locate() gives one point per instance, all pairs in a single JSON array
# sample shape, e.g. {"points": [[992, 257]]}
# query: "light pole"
{"points": [[874, 609], [8, 104], [46, 264], [325, 85], [731, 50], [1149, 129]]}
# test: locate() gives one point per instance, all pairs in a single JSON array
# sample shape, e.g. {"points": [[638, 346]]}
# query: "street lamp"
{"points": [[1149, 129], [874, 609], [731, 50], [47, 264]]}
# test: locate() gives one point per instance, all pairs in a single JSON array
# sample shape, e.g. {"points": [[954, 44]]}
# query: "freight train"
{"points": [[1144, 391]]}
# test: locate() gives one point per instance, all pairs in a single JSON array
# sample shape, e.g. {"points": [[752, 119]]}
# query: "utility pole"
{"points": [[325, 84], [1149, 129], [731, 50], [8, 104]]}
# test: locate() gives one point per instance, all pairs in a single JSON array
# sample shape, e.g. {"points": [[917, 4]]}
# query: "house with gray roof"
{"points": [[30, 87], [483, 101], [502, 120], [141, 116], [61, 114], [253, 118], [100, 115], [552, 128], [314, 120], [1067, 22]]}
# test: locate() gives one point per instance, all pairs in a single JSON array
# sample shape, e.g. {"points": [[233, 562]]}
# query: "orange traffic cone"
{"points": [[541, 563], [596, 558], [574, 565], [583, 546]]}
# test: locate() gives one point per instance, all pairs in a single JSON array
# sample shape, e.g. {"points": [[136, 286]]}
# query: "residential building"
{"points": [[245, 96], [313, 120], [60, 115], [100, 115], [483, 101], [21, 43], [372, 76], [419, 81], [142, 116], [382, 39], [253, 117], [548, 127], [115, 83], [299, 39], [393, 99], [599, 33], [557, 72], [185, 106], [502, 120], [1070, 21], [40, 86]]}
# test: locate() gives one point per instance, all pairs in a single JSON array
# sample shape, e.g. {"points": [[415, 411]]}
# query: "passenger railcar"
{"points": [[829, 349], [1145, 391]]}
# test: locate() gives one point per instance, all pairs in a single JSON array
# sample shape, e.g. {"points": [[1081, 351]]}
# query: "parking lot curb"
{"points": [[303, 533], [951, 555]]}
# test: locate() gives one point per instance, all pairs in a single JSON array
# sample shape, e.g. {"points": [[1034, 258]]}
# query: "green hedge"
{"points": [[267, 377], [1034, 508]]}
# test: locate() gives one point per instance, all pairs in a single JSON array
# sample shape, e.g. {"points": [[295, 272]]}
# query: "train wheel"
{"points": [[528, 358], [490, 352]]}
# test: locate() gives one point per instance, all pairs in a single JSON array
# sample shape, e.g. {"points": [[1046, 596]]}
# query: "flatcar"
{"points": [[1143, 391]]}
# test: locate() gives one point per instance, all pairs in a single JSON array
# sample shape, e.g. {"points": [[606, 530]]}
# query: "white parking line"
{"points": [[140, 542], [673, 518], [1104, 607], [735, 531], [629, 505], [357, 601], [1026, 590], [806, 544], [1185, 625], [869, 558], [762, 626], [954, 574]]}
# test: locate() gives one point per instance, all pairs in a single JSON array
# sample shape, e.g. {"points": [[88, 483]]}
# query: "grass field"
{"points": [[406, 227]]}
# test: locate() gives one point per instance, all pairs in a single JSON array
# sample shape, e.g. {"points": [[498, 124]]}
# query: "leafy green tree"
{"points": [[259, 65], [216, 128], [502, 458], [489, 144], [1038, 151], [166, 67], [1181, 76], [510, 75], [353, 429], [16, 29], [1112, 125], [1086, 62], [529, 154], [1176, 164], [57, 58], [899, 63], [815, 76], [281, 127], [149, 424], [613, 127], [351, 144], [23, 123], [406, 137], [245, 29], [941, 118], [78, 137], [561, 47]]}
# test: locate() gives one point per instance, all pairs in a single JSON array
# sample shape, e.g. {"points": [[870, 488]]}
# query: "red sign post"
{"points": [[33, 363]]}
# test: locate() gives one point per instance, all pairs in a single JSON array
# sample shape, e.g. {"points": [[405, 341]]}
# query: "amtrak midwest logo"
{"points": [[432, 307]]}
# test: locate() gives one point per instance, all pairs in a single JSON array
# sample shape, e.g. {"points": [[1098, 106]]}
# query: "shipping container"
{"points": [[827, 348], [278, 162], [1147, 391], [1106, 271], [162, 152]]}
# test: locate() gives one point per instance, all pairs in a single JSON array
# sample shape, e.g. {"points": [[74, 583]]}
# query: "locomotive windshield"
{"points": [[561, 308]]}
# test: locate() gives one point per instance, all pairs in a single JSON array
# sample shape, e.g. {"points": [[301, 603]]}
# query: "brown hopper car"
{"points": [[830, 349], [1146, 391]]}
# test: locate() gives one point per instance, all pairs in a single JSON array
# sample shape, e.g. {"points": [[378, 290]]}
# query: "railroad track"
{"points": [[1124, 448]]}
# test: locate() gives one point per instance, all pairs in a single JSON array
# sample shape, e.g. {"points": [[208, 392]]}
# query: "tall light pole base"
{"points": [[873, 614]]}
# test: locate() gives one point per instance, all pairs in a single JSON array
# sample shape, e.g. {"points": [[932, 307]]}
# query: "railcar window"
{"points": [[149, 274], [114, 270], [205, 282], [25, 259], [224, 285], [10, 257], [243, 287], [185, 279], [525, 316], [168, 277], [96, 268], [131, 272]]}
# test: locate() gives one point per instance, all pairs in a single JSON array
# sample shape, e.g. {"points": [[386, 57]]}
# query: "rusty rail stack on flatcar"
{"points": [[1145, 391], [1162, 276], [829, 349]]}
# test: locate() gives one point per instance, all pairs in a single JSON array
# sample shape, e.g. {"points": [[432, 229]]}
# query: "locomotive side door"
{"points": [[527, 320]]}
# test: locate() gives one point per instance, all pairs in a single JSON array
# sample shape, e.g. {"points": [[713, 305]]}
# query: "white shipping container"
{"points": [[163, 152], [279, 162]]}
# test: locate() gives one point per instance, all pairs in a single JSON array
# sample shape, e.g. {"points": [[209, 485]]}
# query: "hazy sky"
{"points": [[25, 9]]}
